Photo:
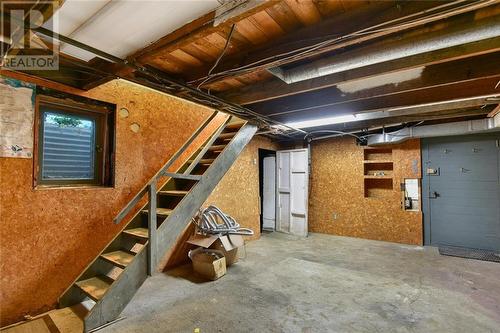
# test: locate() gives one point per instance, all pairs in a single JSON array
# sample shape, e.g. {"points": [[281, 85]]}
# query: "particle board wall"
{"points": [[337, 188], [237, 194], [49, 235]]}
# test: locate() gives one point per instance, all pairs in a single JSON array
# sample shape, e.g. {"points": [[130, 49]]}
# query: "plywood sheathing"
{"points": [[337, 191], [237, 194], [49, 236]]}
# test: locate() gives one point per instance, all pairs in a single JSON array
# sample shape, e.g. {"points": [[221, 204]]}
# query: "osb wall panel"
{"points": [[337, 188], [237, 194], [49, 235]]}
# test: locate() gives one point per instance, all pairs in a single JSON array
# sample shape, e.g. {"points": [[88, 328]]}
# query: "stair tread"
{"points": [[217, 148], [235, 125], [204, 161], [160, 211], [96, 286], [227, 135], [137, 232], [174, 192], [120, 258]]}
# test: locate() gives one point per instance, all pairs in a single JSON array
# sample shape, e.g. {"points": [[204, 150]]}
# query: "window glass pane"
{"points": [[68, 147]]}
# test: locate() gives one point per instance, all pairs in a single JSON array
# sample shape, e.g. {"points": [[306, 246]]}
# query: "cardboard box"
{"points": [[227, 244], [208, 263]]}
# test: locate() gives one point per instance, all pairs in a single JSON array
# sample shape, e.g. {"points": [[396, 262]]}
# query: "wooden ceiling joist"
{"points": [[293, 34], [340, 25], [276, 88], [348, 30], [193, 31], [470, 89], [455, 72]]}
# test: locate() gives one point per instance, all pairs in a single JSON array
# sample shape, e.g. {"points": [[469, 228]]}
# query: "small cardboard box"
{"points": [[227, 244], [208, 263]]}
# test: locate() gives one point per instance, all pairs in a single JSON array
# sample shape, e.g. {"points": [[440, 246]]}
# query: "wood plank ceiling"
{"points": [[294, 34]]}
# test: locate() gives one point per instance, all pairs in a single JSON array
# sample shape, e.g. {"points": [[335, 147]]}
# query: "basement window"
{"points": [[75, 143]]}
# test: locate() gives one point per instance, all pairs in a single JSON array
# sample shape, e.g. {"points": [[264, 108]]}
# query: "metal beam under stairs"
{"points": [[108, 284]]}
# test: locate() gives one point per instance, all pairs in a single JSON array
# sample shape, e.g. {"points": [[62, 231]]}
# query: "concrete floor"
{"points": [[324, 284]]}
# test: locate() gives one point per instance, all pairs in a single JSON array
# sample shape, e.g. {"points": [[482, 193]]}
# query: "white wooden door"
{"points": [[292, 199], [269, 193]]}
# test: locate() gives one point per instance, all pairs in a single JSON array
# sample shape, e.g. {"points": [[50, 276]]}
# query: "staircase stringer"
{"points": [[175, 223], [67, 298], [125, 286]]}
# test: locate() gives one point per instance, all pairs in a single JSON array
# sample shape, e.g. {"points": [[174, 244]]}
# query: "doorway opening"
{"points": [[267, 189]]}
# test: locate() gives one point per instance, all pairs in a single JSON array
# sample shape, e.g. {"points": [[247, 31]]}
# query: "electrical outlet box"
{"points": [[432, 171]]}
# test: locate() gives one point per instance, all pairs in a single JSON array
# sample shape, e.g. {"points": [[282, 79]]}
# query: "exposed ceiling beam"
{"points": [[458, 71], [195, 30], [495, 111], [468, 89], [162, 82], [412, 110], [276, 88], [350, 28], [42, 82]]}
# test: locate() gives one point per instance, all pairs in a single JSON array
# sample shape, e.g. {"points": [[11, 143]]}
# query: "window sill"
{"points": [[73, 187]]}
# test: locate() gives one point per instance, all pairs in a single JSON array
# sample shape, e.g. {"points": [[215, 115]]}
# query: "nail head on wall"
{"points": [[124, 113], [135, 127]]}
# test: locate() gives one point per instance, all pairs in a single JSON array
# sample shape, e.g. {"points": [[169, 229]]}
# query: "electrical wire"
{"points": [[370, 30], [220, 56], [308, 135]]}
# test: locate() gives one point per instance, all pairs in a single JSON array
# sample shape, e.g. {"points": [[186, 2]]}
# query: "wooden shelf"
{"points": [[377, 154], [377, 160], [378, 187], [378, 177]]}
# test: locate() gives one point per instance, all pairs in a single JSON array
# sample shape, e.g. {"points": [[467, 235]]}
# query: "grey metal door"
{"points": [[461, 191]]}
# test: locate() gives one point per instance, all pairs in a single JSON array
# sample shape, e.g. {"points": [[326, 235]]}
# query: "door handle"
{"points": [[434, 195]]}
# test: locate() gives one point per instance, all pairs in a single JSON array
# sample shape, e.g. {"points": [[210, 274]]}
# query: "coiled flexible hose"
{"points": [[208, 219]]}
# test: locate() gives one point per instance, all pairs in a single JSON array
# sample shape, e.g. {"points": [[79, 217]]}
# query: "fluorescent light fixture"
{"points": [[322, 121]]}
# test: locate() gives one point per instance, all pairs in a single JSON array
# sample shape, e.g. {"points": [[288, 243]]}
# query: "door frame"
{"points": [[262, 154], [426, 204]]}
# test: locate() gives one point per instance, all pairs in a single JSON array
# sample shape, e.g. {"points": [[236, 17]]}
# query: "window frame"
{"points": [[104, 122]]}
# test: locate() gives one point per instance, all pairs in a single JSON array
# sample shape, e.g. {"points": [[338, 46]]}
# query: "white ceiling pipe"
{"points": [[457, 128], [468, 33]]}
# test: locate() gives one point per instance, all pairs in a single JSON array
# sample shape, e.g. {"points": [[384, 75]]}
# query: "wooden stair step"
{"points": [[177, 193], [225, 136], [118, 258], [204, 161], [235, 125], [160, 211], [95, 287], [182, 176], [217, 148], [141, 233]]}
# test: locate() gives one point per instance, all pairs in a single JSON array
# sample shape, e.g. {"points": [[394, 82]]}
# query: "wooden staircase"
{"points": [[107, 285]]}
